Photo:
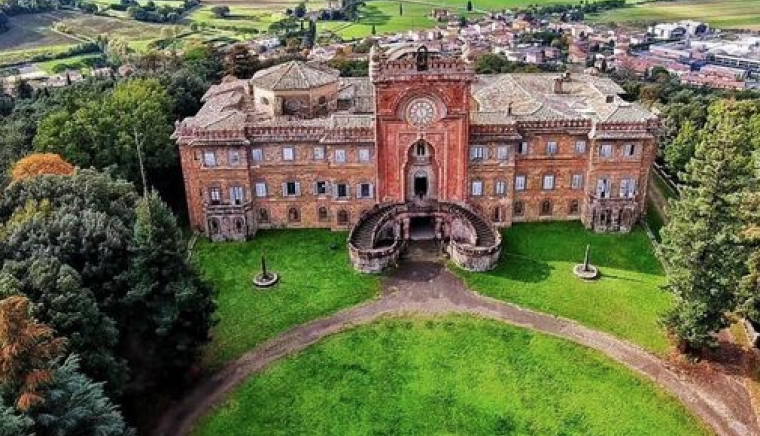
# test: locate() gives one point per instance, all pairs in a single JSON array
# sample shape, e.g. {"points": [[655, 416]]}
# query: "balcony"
{"points": [[221, 209]]}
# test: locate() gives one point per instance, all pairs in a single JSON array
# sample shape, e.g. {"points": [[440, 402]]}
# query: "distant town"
{"points": [[692, 52]]}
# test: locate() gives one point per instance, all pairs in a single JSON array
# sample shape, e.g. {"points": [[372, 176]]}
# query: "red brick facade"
{"points": [[517, 148]]}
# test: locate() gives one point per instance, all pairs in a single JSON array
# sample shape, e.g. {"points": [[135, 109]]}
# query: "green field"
{"points": [[448, 376], [535, 271], [733, 14], [317, 280]]}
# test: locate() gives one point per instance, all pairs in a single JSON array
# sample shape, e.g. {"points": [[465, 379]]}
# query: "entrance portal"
{"points": [[420, 185], [421, 228]]}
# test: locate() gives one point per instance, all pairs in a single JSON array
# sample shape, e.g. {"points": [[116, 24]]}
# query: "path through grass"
{"points": [[448, 376], [317, 280], [535, 271]]}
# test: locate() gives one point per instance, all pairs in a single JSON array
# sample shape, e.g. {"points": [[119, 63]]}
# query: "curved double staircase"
{"points": [[478, 251]]}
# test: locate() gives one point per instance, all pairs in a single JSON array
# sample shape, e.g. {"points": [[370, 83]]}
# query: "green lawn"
{"points": [[448, 376], [317, 280], [535, 271], [719, 13]]}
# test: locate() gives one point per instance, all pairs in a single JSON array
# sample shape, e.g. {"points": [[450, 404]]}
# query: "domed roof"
{"points": [[295, 75]]}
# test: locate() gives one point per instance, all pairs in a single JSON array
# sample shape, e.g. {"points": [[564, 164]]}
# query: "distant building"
{"points": [[679, 30]]}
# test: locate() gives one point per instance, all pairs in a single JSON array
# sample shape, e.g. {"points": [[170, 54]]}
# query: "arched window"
{"points": [[518, 208], [239, 225], [263, 216], [322, 214], [496, 214], [342, 217], [546, 208], [420, 149], [575, 207], [213, 226], [294, 215]]}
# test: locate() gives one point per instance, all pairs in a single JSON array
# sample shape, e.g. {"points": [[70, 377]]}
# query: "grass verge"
{"points": [[448, 376]]}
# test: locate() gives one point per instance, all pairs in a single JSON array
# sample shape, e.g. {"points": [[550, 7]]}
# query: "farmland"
{"points": [[730, 14]]}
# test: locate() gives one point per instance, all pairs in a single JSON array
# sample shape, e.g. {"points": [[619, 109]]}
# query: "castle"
{"points": [[423, 148]]}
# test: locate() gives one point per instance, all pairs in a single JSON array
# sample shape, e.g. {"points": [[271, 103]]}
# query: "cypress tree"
{"points": [[702, 243]]}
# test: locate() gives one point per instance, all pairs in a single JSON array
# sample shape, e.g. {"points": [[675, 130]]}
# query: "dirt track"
{"points": [[424, 288]]}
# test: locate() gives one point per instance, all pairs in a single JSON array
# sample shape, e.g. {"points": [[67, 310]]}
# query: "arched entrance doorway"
{"points": [[421, 185], [420, 172]]}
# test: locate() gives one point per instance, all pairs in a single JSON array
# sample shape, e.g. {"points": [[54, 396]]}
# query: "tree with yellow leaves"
{"points": [[37, 164]]}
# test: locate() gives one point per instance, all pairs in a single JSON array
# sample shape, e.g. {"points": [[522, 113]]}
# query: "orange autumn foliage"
{"points": [[41, 163], [27, 351]]}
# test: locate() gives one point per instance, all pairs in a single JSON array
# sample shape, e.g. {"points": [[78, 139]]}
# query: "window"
{"points": [[520, 183], [341, 190], [288, 153], [627, 188], [340, 155], [261, 189], [237, 194], [239, 225], [319, 153], [502, 152], [215, 195], [522, 148], [577, 182], [518, 208], [209, 159], [420, 150], [605, 150], [580, 147], [322, 101], [263, 216], [477, 188], [257, 156], [364, 155], [320, 188], [477, 153], [291, 189], [629, 150], [575, 207], [551, 148], [294, 215], [364, 191], [213, 226], [603, 188], [322, 214], [496, 214], [548, 182], [264, 101], [500, 188], [233, 158], [342, 217], [546, 208]]}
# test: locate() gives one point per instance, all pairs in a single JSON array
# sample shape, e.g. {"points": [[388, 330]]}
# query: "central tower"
{"points": [[422, 124]]}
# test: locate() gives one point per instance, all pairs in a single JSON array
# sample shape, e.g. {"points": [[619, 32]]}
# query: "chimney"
{"points": [[558, 85]]}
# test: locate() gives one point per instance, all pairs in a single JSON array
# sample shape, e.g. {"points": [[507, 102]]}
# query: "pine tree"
{"points": [[400, 9], [27, 352], [170, 306], [469, 6], [702, 243], [77, 406]]}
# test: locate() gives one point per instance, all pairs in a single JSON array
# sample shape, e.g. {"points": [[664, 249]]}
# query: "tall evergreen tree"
{"points": [[77, 406], [173, 305], [702, 243]]}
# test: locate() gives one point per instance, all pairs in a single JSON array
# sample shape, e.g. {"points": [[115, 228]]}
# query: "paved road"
{"points": [[427, 288]]}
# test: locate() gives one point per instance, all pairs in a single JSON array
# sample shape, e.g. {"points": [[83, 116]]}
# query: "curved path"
{"points": [[427, 288]]}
